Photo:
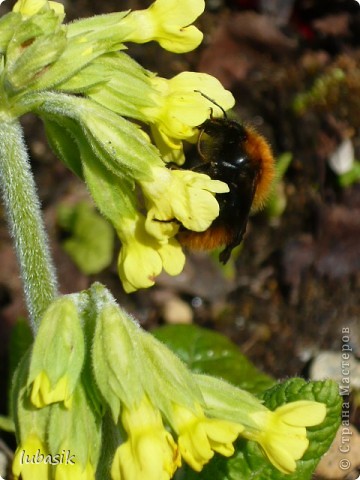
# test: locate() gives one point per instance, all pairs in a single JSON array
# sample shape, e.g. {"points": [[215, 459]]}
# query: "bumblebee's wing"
{"points": [[234, 212]]}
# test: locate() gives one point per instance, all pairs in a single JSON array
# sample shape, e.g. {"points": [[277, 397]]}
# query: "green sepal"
{"points": [[91, 76], [165, 377], [8, 25], [128, 89], [117, 143], [27, 418], [26, 32], [92, 238], [24, 73], [59, 347], [79, 52], [64, 135], [115, 358], [214, 354], [115, 197], [100, 25], [77, 429]]}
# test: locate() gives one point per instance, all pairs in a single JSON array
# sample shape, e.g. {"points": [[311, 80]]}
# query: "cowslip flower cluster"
{"points": [[87, 91], [96, 396], [103, 377]]}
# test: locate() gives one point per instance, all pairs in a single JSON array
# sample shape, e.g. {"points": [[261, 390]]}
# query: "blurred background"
{"points": [[294, 284]]}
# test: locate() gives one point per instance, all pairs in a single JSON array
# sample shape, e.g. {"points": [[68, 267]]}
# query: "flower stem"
{"points": [[24, 216]]}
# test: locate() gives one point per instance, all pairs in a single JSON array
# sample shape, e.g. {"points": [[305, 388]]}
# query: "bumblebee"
{"points": [[239, 156]]}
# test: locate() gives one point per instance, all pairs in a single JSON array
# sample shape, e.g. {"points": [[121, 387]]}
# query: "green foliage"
{"points": [[6, 424], [318, 94], [350, 177], [276, 202], [92, 238], [211, 353]]}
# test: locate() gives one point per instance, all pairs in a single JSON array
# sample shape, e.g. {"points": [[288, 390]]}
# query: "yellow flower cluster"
{"points": [[167, 414], [172, 198], [114, 88], [91, 367]]}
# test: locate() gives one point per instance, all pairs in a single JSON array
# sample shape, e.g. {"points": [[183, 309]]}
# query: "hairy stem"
{"points": [[24, 216]]}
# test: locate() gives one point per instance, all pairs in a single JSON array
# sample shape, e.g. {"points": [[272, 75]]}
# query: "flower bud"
{"points": [[58, 354]]}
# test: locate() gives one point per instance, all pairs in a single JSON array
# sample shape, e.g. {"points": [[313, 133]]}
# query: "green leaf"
{"points": [[92, 240], [282, 164], [20, 340], [249, 462], [350, 177], [7, 424], [207, 352], [276, 203]]}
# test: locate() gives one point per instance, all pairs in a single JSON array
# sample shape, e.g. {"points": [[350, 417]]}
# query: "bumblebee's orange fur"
{"points": [[221, 233], [259, 151]]}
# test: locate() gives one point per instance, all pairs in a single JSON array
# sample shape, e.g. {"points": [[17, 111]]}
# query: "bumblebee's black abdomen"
{"points": [[241, 158]]}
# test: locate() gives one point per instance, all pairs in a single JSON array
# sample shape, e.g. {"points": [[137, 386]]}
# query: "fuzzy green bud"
{"points": [[58, 354], [115, 359]]}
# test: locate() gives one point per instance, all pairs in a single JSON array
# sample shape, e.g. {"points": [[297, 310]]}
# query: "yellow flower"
{"points": [[150, 451], [31, 7], [167, 22], [181, 195], [74, 471], [199, 437], [29, 460], [142, 256], [282, 433], [179, 106], [42, 393]]}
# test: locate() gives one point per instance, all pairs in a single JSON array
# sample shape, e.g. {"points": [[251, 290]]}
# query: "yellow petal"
{"points": [[200, 437], [138, 266], [172, 257], [74, 472], [150, 451], [167, 22], [304, 413], [42, 393], [29, 460]]}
